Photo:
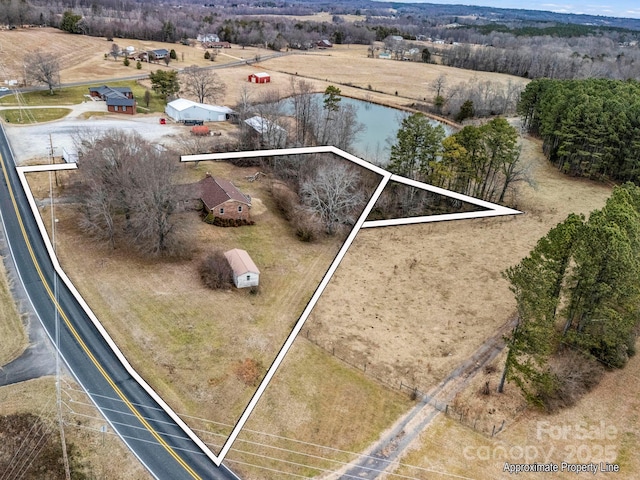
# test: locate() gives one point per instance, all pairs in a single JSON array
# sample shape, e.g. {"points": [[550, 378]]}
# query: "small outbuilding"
{"points": [[269, 133], [245, 272], [183, 109], [261, 77]]}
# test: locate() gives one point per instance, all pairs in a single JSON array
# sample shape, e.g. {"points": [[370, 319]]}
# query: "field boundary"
{"points": [[493, 210]]}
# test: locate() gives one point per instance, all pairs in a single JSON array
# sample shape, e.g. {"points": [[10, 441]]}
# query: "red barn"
{"points": [[261, 77]]}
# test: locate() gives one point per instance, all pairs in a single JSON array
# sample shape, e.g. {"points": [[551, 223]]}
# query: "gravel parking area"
{"points": [[30, 142]]}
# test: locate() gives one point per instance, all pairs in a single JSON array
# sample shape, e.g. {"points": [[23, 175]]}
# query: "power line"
{"points": [[316, 457]]}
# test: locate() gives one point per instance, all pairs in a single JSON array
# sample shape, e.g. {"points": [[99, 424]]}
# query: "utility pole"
{"points": [[63, 441]]}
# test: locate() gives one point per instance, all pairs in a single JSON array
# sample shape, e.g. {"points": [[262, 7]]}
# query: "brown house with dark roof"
{"points": [[222, 199], [118, 99]]}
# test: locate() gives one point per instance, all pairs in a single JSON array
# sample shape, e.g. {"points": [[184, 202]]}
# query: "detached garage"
{"points": [[261, 77], [183, 109], [245, 272]]}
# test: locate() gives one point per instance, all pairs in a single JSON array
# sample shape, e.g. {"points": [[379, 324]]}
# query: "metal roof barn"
{"points": [[183, 109]]}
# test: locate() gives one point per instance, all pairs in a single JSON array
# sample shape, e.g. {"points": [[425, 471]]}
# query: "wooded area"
{"points": [[128, 194], [482, 162], [577, 295], [590, 128]]}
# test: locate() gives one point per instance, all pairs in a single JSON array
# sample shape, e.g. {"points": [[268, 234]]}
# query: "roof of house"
{"points": [[120, 101], [182, 104], [262, 125], [216, 191], [104, 90], [115, 95], [160, 51], [261, 75], [240, 262]]}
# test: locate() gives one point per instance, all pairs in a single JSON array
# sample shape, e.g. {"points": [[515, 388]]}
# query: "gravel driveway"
{"points": [[32, 141]]}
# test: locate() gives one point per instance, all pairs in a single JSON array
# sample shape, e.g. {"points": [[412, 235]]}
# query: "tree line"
{"points": [[598, 51], [483, 162], [578, 298], [590, 128]]}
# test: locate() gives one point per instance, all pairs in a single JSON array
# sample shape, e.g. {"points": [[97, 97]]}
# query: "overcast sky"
{"points": [[609, 8]]}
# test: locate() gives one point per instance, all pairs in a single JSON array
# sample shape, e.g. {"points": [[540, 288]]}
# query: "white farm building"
{"points": [[245, 272], [183, 109]]}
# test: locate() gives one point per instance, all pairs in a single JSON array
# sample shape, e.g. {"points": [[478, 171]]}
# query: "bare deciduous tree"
{"points": [[115, 51], [305, 110], [44, 68], [128, 192], [194, 144], [334, 195], [203, 84]]}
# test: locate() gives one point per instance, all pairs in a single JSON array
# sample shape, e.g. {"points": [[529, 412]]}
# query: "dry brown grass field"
{"points": [[104, 453], [602, 426], [82, 57], [415, 301], [13, 339], [410, 324], [188, 342]]}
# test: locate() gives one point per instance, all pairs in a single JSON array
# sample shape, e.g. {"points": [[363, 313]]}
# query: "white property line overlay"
{"points": [[493, 210], [56, 265]]}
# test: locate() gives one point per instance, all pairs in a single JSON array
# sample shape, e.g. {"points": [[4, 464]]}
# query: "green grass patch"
{"points": [[33, 115], [76, 95]]}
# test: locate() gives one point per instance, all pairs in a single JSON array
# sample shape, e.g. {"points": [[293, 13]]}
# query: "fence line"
{"points": [[461, 415]]}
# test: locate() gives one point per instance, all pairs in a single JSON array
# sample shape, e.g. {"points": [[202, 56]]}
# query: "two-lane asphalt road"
{"points": [[150, 432]]}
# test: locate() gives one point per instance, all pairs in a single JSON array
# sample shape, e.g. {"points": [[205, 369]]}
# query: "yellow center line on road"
{"points": [[84, 347]]}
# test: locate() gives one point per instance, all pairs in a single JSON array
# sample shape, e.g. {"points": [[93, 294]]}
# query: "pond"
{"points": [[380, 127]]}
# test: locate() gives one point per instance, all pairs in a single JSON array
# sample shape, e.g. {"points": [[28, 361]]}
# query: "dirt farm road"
{"points": [[384, 453]]}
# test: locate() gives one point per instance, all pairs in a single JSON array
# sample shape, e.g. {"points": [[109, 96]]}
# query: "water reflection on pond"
{"points": [[380, 127]]}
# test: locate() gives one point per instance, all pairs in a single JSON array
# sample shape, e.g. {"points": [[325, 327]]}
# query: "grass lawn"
{"points": [[33, 115], [75, 95], [188, 342], [13, 339]]}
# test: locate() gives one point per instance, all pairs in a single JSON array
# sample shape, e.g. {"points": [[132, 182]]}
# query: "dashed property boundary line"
{"points": [[491, 210]]}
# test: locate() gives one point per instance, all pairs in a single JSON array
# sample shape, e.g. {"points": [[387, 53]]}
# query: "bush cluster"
{"points": [[215, 271], [211, 219]]}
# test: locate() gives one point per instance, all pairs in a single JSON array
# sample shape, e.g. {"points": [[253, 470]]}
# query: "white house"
{"points": [[245, 272], [208, 37], [183, 109]]}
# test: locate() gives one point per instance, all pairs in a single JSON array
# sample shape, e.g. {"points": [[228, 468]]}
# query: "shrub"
{"points": [[306, 227], [126, 62], [576, 374], [466, 111], [248, 371], [207, 55], [138, 65], [286, 200], [215, 271]]}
